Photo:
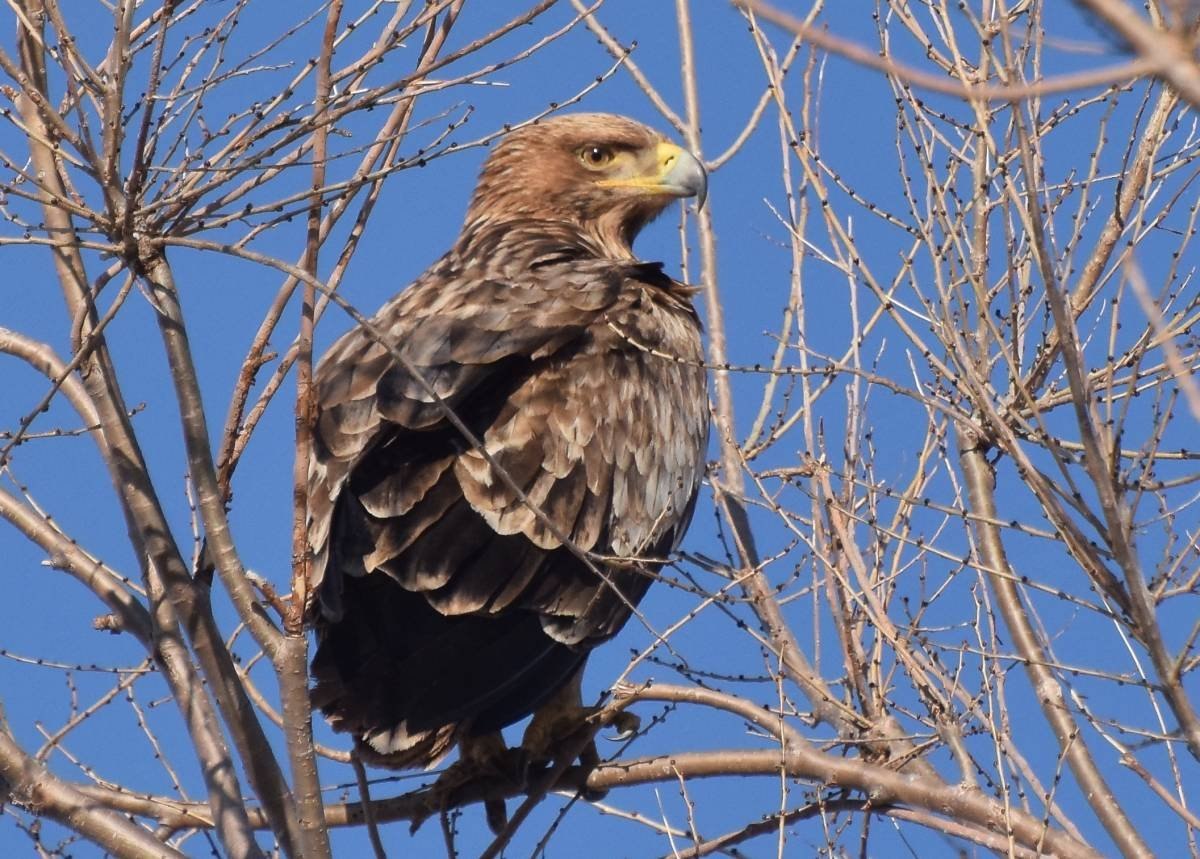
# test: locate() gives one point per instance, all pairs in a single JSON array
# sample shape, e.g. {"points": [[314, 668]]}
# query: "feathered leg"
{"points": [[561, 722], [558, 721], [482, 756]]}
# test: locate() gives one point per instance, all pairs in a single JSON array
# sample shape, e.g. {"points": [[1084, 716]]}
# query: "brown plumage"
{"points": [[448, 608]]}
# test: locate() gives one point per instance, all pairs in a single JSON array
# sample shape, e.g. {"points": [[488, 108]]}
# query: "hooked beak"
{"points": [[679, 174], [682, 173]]}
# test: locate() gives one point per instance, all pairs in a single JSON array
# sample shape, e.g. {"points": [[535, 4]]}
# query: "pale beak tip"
{"points": [[688, 175]]}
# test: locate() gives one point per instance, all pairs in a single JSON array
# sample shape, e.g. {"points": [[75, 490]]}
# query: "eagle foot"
{"points": [[484, 758], [551, 743], [550, 734], [549, 739], [627, 725]]}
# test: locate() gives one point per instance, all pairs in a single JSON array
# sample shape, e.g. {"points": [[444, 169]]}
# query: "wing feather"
{"points": [[605, 438]]}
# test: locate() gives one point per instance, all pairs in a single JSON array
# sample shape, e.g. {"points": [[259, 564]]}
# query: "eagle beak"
{"points": [[681, 173], [678, 173]]}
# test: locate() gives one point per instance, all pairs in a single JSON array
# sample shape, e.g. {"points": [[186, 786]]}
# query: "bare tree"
{"points": [[944, 574]]}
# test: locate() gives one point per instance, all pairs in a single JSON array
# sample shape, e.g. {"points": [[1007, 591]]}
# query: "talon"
{"points": [[589, 759], [519, 765], [627, 725], [497, 815], [593, 795]]}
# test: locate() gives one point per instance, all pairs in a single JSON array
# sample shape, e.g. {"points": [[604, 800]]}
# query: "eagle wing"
{"points": [[558, 365]]}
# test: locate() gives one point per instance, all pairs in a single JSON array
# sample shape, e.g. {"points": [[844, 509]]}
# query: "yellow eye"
{"points": [[595, 156]]}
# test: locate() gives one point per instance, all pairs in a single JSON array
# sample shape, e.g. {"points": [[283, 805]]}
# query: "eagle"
{"points": [[462, 578]]}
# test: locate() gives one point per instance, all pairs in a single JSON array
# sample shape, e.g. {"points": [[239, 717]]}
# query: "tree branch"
{"points": [[1073, 748], [28, 783]]}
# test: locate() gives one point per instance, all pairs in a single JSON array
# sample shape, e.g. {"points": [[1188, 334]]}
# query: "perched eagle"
{"points": [[455, 599]]}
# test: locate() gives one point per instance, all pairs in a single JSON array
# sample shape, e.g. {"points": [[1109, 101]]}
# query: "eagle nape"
{"points": [[457, 577]]}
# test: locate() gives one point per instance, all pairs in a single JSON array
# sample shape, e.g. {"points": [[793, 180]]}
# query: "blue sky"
{"points": [[47, 615]]}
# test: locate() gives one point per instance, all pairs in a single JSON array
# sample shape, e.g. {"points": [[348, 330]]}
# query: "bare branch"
{"points": [[26, 782]]}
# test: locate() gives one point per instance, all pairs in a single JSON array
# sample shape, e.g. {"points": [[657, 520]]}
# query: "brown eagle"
{"points": [[450, 605]]}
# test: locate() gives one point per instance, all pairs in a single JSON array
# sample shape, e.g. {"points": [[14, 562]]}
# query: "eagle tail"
{"points": [[396, 748], [393, 746]]}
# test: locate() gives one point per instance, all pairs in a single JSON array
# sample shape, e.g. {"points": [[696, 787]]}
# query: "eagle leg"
{"points": [[557, 721], [558, 726], [482, 757]]}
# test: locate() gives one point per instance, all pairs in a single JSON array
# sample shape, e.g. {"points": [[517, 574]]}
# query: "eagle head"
{"points": [[606, 175]]}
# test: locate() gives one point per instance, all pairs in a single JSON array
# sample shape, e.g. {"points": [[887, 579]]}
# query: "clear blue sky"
{"points": [[46, 614]]}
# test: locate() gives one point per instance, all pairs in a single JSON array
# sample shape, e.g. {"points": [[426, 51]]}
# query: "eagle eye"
{"points": [[596, 156]]}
